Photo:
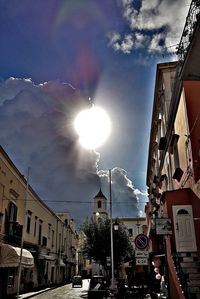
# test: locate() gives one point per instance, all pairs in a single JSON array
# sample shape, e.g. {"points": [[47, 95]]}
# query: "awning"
{"points": [[10, 256], [46, 257]]}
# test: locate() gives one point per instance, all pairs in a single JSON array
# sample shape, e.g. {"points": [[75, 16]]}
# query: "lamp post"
{"points": [[22, 237], [111, 234]]}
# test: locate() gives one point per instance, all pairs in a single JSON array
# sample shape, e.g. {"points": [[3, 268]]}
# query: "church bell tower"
{"points": [[100, 205]]}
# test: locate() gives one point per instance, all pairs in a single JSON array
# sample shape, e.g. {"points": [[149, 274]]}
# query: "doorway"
{"points": [[184, 228]]}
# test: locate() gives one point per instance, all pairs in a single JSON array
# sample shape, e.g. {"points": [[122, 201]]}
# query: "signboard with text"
{"points": [[108, 260], [163, 226], [141, 254], [141, 261]]}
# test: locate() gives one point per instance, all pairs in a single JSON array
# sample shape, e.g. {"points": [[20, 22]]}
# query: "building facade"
{"points": [[173, 176], [45, 242]]}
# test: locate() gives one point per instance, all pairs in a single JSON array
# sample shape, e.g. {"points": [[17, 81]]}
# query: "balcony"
{"points": [[188, 49]]}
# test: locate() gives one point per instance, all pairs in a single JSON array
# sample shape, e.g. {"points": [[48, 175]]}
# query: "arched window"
{"points": [[182, 211], [99, 204]]}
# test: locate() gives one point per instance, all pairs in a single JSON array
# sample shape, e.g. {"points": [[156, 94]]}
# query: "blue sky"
{"points": [[107, 50]]}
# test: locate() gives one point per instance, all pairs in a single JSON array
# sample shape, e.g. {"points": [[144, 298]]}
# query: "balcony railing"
{"points": [[190, 25]]}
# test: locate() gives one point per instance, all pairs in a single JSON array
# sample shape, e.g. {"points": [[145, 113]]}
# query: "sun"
{"points": [[93, 127]]}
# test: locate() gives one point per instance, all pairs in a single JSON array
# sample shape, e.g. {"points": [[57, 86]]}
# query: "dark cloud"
{"points": [[37, 131]]}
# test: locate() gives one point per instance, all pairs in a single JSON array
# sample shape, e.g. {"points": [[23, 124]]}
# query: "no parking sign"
{"points": [[141, 241]]}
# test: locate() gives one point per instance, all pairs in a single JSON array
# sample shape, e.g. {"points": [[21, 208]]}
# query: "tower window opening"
{"points": [[99, 204]]}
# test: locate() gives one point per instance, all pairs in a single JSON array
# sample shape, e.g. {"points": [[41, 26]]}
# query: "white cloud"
{"points": [[138, 192], [127, 200], [114, 37], [154, 45], [124, 45], [127, 44], [167, 17], [141, 40]]}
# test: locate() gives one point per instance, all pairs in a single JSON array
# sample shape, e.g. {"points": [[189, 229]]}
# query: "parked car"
{"points": [[98, 287], [77, 281]]}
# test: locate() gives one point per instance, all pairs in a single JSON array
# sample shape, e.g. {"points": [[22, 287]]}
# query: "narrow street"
{"points": [[63, 292], [67, 292]]}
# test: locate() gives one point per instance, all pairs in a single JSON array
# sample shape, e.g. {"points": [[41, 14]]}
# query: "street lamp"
{"points": [[22, 237], [114, 225]]}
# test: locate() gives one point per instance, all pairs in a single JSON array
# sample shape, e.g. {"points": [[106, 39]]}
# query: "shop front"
{"points": [[9, 268]]}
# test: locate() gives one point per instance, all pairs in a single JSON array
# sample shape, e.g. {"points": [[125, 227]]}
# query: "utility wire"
{"points": [[72, 201]]}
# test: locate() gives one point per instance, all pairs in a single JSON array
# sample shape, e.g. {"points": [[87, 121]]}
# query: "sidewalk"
{"points": [[32, 294]]}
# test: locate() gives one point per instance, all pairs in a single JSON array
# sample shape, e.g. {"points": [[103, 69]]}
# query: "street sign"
{"points": [[141, 241], [141, 262], [141, 254], [108, 260], [163, 226]]}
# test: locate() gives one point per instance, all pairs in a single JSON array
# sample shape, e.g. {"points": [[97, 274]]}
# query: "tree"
{"points": [[97, 243]]}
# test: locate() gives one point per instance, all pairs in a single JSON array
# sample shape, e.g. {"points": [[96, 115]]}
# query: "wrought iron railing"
{"points": [[183, 277], [192, 19]]}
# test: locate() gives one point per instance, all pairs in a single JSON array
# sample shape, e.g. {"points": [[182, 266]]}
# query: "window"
{"points": [[65, 242], [182, 212], [40, 233], [52, 244], [44, 241], [12, 217], [12, 211], [35, 227], [1, 219], [59, 246], [99, 204], [49, 231], [28, 226], [130, 231]]}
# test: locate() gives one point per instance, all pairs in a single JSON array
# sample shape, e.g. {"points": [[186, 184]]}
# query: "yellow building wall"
{"points": [[11, 179], [182, 129]]}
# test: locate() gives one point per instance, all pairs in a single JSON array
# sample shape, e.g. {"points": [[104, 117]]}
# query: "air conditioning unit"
{"points": [[162, 143], [178, 174]]}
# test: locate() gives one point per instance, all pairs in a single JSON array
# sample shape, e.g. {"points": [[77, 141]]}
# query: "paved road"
{"points": [[63, 292], [67, 292]]}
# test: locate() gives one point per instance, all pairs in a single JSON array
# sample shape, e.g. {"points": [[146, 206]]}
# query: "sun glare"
{"points": [[93, 127]]}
